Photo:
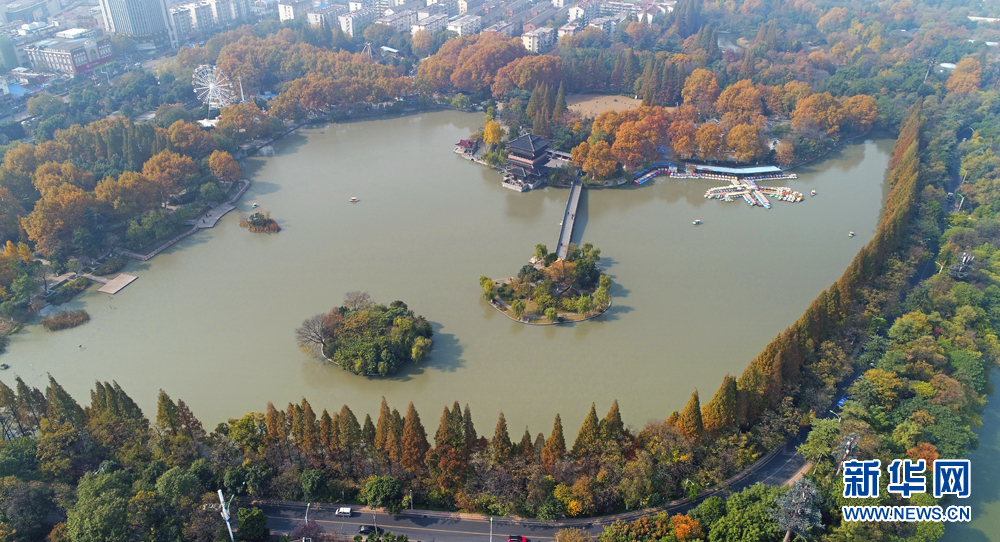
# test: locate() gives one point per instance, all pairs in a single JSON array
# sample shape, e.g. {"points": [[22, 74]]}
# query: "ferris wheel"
{"points": [[213, 87]]}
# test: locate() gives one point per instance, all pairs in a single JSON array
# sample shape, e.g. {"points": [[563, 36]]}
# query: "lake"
{"points": [[212, 319]]}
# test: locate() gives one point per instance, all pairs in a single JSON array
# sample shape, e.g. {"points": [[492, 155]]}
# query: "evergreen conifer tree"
{"points": [[689, 423], [587, 440]]}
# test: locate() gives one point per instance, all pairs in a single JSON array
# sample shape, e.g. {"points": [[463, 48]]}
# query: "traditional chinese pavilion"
{"points": [[526, 159]]}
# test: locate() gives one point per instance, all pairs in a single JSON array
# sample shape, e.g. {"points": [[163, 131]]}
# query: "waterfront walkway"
{"points": [[569, 217], [208, 220]]}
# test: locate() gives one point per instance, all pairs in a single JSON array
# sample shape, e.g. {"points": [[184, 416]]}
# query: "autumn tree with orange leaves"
{"points": [[701, 90], [965, 78]]}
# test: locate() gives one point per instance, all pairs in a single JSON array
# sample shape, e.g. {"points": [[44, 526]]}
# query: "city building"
{"points": [[612, 7], [608, 24], [584, 12], [526, 159], [517, 6], [568, 29], [465, 5], [433, 24], [505, 28], [292, 9], [326, 13], [81, 17], [400, 22], [539, 39], [356, 21], [466, 24], [70, 56], [539, 20], [147, 22], [558, 3]]}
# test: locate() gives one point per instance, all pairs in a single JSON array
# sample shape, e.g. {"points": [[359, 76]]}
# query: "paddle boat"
{"points": [[255, 205], [812, 193], [355, 200], [4, 366], [851, 234], [697, 221]]}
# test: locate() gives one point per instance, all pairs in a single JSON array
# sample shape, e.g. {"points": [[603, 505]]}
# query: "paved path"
{"points": [[569, 217], [95, 278], [208, 220]]}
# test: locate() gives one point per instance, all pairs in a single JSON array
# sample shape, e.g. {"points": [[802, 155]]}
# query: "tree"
{"points": [[541, 251], [500, 445], [817, 115], [493, 133], [965, 78], [560, 107], [701, 90], [600, 163], [740, 103], [415, 445], [169, 172], [555, 445], [551, 314], [683, 134], [709, 139], [689, 423], [517, 307], [744, 141], [252, 525], [101, 508], [584, 305], [860, 112], [422, 43], [224, 167], [588, 439], [310, 335], [797, 510], [785, 153], [383, 492], [719, 414]]}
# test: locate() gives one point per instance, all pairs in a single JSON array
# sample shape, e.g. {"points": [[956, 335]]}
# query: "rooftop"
{"points": [[740, 170], [530, 143]]}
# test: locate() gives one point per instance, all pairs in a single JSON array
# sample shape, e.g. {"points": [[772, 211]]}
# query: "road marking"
{"points": [[419, 529]]}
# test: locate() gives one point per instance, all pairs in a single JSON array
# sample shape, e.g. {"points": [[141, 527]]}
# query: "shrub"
{"points": [[65, 320], [111, 265]]}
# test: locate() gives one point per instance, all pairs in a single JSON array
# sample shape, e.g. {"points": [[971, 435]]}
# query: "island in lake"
{"points": [[367, 338], [552, 290]]}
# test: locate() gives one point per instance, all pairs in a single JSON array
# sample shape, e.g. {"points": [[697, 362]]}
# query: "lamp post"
{"points": [[839, 419], [225, 514], [491, 528]]}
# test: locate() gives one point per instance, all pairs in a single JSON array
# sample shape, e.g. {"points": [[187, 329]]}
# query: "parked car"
{"points": [[516, 538], [343, 511], [370, 529]]}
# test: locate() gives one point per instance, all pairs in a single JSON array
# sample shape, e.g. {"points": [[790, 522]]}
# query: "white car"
{"points": [[344, 512]]}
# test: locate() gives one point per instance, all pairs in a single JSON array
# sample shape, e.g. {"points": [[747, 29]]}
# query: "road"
{"points": [[782, 468]]}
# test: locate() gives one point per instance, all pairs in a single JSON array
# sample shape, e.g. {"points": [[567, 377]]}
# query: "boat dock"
{"points": [[754, 194], [116, 284], [569, 217], [740, 185]]}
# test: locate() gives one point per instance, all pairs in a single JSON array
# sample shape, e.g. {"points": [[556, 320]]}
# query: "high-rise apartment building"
{"points": [[148, 22]]}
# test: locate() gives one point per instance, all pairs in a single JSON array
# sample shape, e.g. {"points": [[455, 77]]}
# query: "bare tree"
{"points": [[355, 301], [310, 337]]}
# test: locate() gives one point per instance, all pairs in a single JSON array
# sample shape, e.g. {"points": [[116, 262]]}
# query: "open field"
{"points": [[591, 105]]}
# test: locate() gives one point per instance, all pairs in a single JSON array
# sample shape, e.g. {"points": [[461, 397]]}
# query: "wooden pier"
{"points": [[116, 284], [569, 218]]}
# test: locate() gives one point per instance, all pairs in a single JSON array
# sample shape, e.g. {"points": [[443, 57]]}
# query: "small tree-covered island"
{"points": [[367, 338], [552, 290]]}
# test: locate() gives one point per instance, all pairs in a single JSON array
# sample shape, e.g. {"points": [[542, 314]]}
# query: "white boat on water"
{"points": [[355, 200]]}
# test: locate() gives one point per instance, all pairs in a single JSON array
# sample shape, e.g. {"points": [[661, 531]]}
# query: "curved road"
{"points": [[782, 468]]}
